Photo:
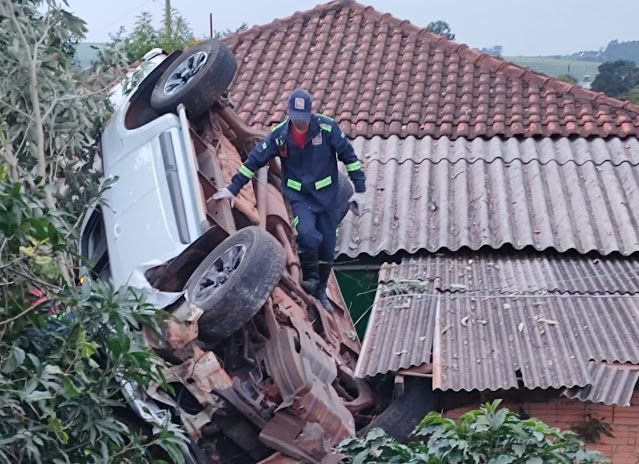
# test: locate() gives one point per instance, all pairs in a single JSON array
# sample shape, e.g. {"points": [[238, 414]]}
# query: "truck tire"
{"points": [[196, 79], [401, 417], [234, 281], [345, 192]]}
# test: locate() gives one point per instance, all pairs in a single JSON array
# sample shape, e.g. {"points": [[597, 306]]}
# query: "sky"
{"points": [[522, 27]]}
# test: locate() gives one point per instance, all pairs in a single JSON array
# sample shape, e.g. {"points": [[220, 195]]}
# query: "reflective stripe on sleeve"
{"points": [[353, 166], [246, 172]]}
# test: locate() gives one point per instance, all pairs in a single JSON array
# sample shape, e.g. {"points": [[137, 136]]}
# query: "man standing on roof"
{"points": [[308, 145]]}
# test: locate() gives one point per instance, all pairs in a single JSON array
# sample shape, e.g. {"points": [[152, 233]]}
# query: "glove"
{"points": [[357, 203], [224, 194]]}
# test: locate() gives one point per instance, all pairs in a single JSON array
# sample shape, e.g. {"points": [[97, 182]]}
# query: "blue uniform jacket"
{"points": [[309, 173]]}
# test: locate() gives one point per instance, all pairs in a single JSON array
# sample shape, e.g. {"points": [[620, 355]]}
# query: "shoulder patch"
{"points": [[326, 127]]}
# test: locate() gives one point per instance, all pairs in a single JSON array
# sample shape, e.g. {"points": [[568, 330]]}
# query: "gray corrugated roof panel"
{"points": [[610, 384], [491, 328], [486, 342], [546, 150], [399, 334], [415, 203], [498, 272]]}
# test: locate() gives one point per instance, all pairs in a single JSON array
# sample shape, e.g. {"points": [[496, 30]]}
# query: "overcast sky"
{"points": [[522, 27]]}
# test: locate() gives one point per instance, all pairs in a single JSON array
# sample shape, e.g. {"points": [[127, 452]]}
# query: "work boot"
{"points": [[320, 294], [310, 270]]}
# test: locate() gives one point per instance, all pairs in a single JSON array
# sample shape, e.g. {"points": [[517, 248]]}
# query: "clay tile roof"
{"points": [[381, 76]]}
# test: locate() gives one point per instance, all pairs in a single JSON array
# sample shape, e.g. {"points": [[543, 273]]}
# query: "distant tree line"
{"points": [[614, 51]]}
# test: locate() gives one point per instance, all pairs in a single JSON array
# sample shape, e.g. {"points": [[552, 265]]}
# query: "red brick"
{"points": [[624, 455], [619, 438], [575, 413], [633, 434], [606, 450], [626, 416], [601, 412], [547, 412], [458, 412]]}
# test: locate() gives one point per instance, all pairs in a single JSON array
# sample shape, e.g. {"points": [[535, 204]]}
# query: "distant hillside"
{"points": [[554, 67], [86, 53]]}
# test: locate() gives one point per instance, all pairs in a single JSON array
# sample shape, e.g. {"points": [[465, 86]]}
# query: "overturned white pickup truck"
{"points": [[261, 372]]}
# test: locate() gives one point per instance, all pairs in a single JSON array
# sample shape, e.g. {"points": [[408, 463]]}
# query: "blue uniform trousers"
{"points": [[317, 228]]}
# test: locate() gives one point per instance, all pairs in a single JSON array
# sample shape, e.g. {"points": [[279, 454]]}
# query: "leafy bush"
{"points": [[489, 435], [64, 353]]}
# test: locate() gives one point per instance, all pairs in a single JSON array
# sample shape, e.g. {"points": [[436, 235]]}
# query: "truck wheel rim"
{"points": [[185, 72], [219, 272]]}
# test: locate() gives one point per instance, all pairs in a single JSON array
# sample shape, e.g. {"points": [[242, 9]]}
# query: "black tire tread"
{"points": [[211, 82], [262, 270]]}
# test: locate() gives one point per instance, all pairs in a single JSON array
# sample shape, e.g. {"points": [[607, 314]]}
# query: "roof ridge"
{"points": [[320, 8]]}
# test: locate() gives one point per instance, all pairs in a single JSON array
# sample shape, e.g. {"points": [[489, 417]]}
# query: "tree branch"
{"points": [[18, 316], [35, 99]]}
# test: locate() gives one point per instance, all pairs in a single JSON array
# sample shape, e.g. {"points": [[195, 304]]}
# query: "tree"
{"points": [[567, 78], [145, 36], [616, 78], [224, 33], [616, 50], [489, 435], [64, 351], [441, 28]]}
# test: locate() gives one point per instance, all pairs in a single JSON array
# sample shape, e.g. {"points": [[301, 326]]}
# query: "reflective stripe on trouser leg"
{"points": [[295, 185], [326, 224], [308, 237], [322, 183]]}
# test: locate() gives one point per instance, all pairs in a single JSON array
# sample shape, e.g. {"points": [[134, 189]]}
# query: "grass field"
{"points": [[554, 67]]}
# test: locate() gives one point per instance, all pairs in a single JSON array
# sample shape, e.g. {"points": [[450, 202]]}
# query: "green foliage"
{"points": [[616, 78], [224, 33], [63, 352], [145, 36], [441, 28], [489, 435], [567, 78], [50, 113], [555, 67], [633, 95]]}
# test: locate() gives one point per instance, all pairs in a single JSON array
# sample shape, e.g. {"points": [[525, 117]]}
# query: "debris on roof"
{"points": [[489, 321]]}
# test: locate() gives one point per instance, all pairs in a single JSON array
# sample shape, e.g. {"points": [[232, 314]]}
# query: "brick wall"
{"points": [[566, 414]]}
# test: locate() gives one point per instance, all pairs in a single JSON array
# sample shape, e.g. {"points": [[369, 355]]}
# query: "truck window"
{"points": [[94, 246]]}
